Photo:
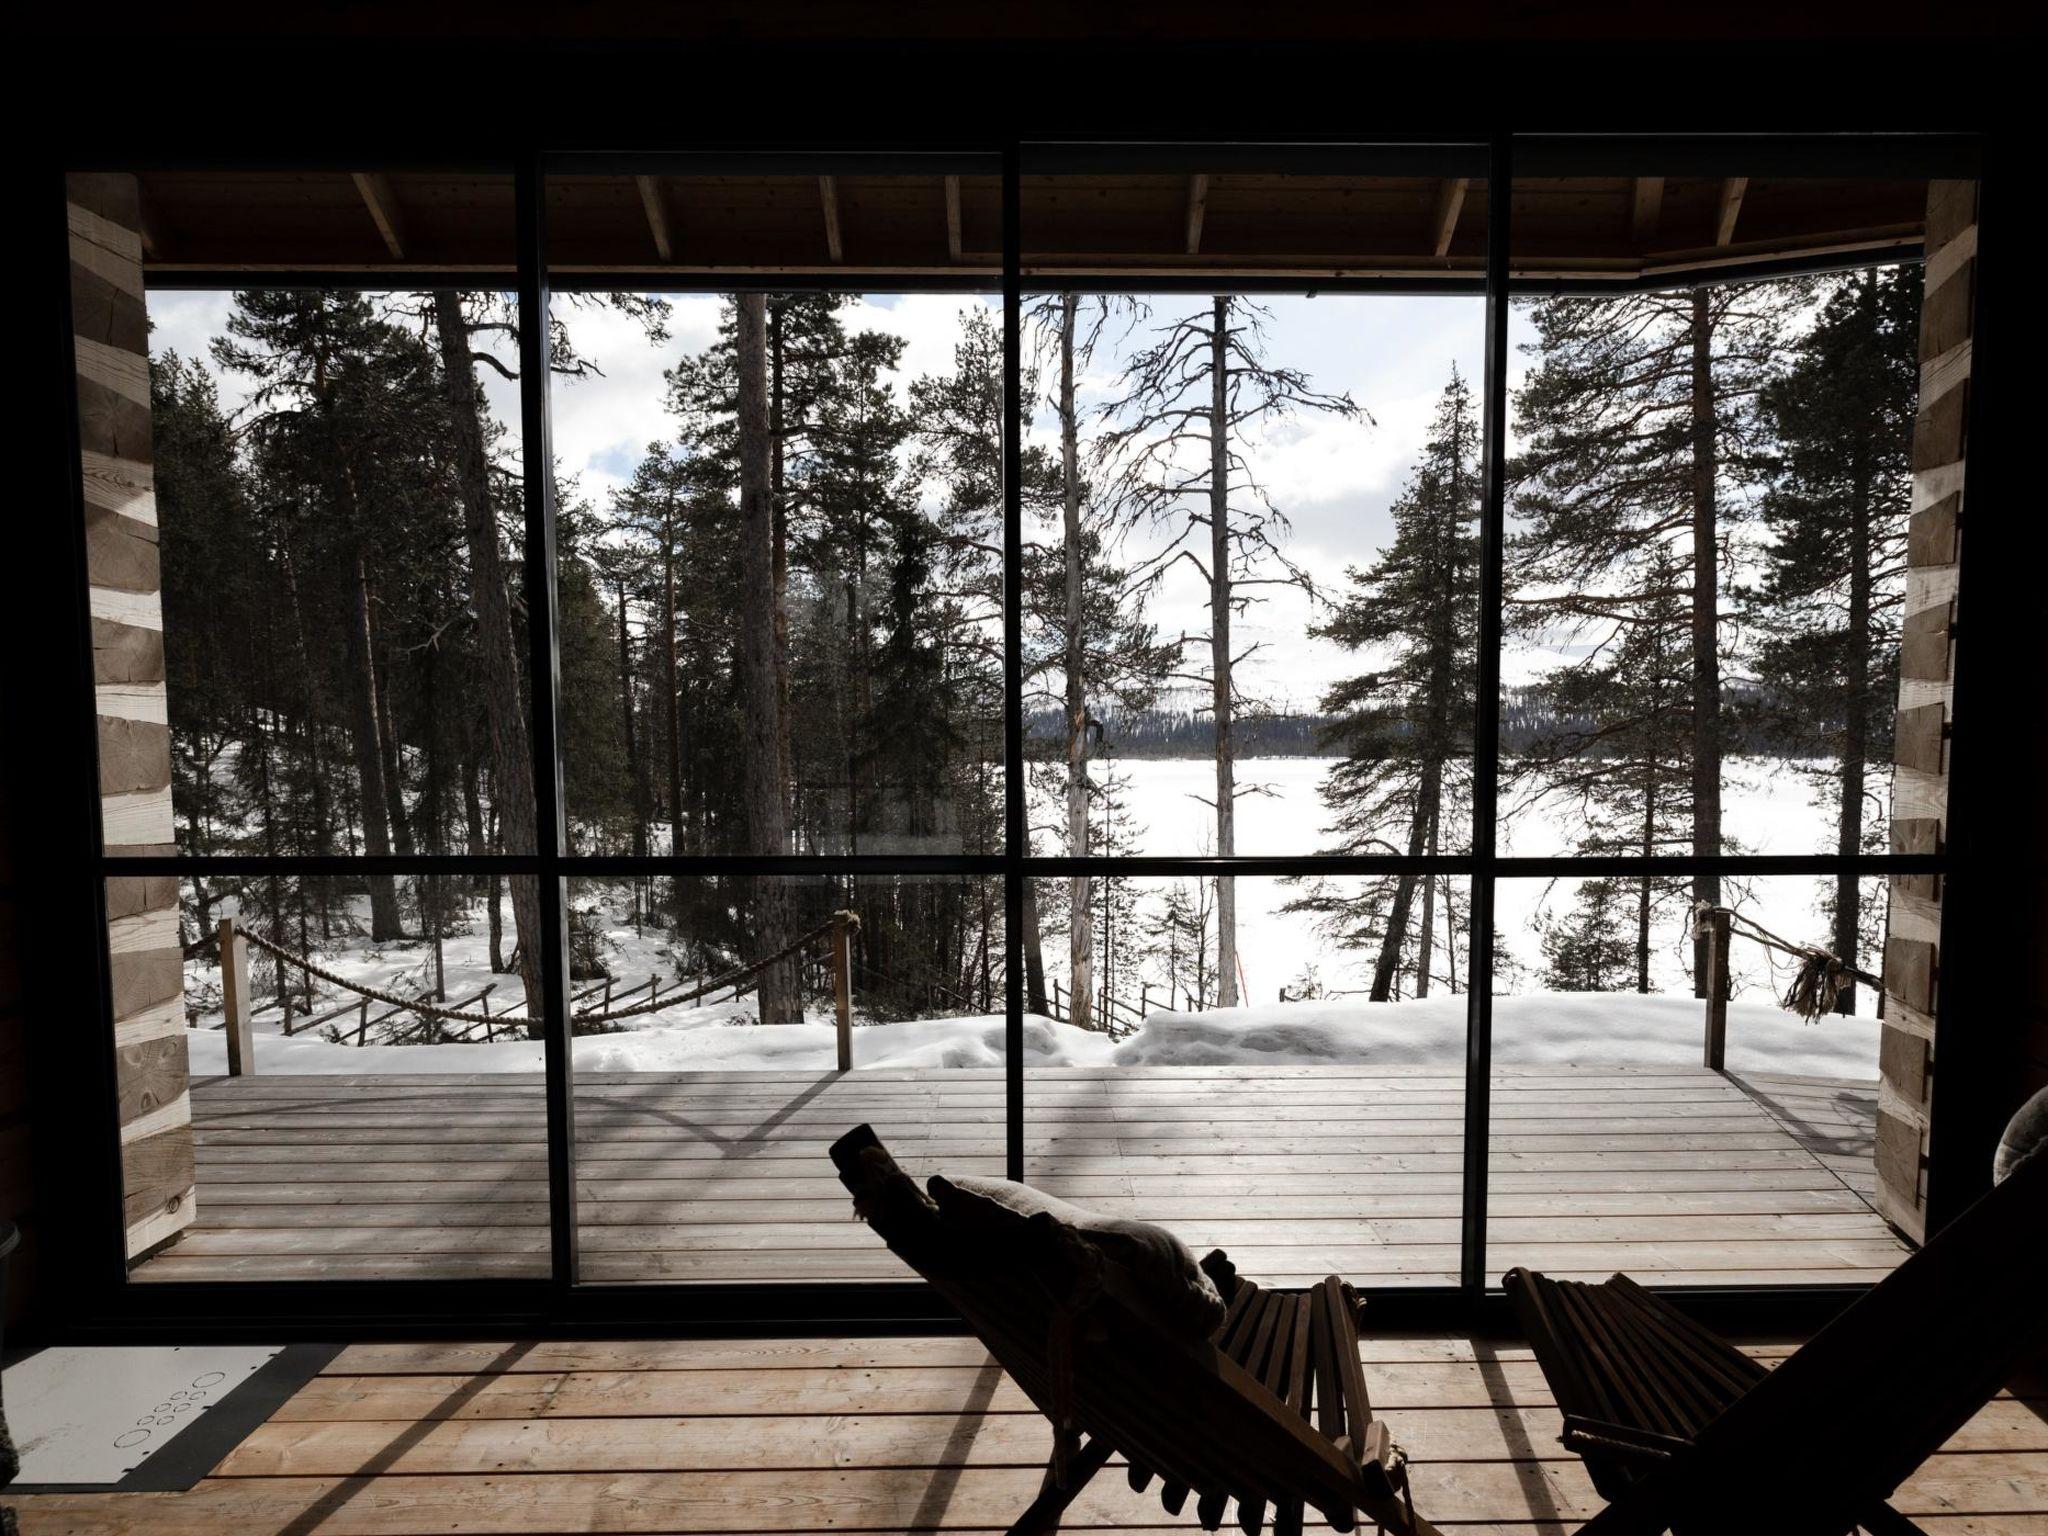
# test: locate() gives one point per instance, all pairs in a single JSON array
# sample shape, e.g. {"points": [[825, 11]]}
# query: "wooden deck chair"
{"points": [[1270, 1411], [1681, 1431]]}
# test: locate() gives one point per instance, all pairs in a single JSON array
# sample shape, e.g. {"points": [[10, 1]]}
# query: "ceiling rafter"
{"points": [[1198, 207], [1450, 202], [1646, 210], [828, 194], [382, 202], [1732, 191], [652, 200]]}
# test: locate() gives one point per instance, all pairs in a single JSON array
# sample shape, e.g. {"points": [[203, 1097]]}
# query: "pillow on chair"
{"points": [[2026, 1136], [1166, 1281]]}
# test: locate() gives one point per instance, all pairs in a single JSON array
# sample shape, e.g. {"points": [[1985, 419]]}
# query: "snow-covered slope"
{"points": [[1603, 1029]]}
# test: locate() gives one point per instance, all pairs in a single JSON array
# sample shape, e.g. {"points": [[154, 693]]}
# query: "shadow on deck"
{"points": [[1676, 1176]]}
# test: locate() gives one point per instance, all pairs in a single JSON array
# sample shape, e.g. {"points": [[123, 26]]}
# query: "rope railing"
{"points": [[656, 1003], [1817, 985]]}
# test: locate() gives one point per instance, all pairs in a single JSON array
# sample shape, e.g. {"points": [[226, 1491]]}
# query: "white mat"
{"points": [[91, 1414]]}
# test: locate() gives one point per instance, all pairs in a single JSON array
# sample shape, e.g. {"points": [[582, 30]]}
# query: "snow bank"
{"points": [[1592, 1029], [1551, 1029], [727, 1043]]}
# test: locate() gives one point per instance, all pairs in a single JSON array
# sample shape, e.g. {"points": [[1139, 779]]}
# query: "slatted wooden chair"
{"points": [[1270, 1411], [1682, 1431]]}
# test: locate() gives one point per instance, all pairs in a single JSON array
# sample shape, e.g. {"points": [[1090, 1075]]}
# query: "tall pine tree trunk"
{"points": [[1706, 628], [781, 1000], [1644, 886], [1080, 888], [669, 678], [634, 773], [497, 652], [1386, 971], [1219, 650], [1856, 721], [778, 434], [1425, 953], [363, 721], [1034, 953], [394, 764]]}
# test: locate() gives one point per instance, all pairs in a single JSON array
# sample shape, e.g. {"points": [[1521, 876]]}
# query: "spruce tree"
{"points": [[1404, 730], [1827, 604], [1640, 429]]}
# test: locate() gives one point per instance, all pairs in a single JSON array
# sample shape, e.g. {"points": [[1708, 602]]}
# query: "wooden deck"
{"points": [[871, 1435], [1674, 1176]]}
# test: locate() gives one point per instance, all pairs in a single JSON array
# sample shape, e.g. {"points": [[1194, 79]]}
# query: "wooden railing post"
{"points": [[234, 996], [1713, 926], [842, 986]]}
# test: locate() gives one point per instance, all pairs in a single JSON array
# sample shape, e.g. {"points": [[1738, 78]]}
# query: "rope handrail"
{"points": [[1818, 983], [653, 1005]]}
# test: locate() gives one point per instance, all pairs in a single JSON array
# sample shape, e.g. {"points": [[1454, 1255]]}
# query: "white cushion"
{"points": [[1168, 1283]]}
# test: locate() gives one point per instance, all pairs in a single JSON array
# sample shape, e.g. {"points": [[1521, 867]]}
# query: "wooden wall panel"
{"points": [[111, 343], [1912, 954]]}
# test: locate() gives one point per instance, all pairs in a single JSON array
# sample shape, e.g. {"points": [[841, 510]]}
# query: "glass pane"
{"points": [[1340, 649], [1252, 518], [1708, 491], [1307, 1117], [1616, 1147], [356, 1137], [822, 675], [708, 1091], [343, 628]]}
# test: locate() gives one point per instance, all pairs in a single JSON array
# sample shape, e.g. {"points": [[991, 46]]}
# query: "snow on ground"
{"points": [[1766, 813], [722, 1042], [1167, 812], [1549, 1029], [1602, 1029]]}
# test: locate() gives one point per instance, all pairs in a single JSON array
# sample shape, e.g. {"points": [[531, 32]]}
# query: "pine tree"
{"points": [[1639, 421], [1834, 517], [1405, 729], [1588, 951], [1176, 439]]}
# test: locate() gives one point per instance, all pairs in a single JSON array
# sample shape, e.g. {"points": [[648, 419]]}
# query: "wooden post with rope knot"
{"points": [[843, 926], [234, 997], [1711, 923]]}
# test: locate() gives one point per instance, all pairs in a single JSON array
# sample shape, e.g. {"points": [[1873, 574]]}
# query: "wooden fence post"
{"points": [[234, 996], [842, 985], [1714, 924]]}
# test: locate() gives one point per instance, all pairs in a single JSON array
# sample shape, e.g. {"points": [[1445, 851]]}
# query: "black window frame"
{"points": [[561, 1299]]}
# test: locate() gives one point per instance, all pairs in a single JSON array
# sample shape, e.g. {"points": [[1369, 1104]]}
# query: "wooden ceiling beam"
{"points": [[953, 218], [1646, 210], [828, 194], [1450, 202], [657, 217], [1732, 190], [1198, 207], [375, 188]]}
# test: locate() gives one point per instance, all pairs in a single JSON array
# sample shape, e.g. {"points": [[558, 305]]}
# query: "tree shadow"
{"points": [[952, 1459], [337, 1498], [1521, 1449]]}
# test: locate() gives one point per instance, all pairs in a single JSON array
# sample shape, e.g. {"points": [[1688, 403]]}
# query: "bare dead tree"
{"points": [[1173, 454]]}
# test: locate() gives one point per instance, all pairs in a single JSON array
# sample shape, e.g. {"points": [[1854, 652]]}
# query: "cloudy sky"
{"points": [[1334, 478]]}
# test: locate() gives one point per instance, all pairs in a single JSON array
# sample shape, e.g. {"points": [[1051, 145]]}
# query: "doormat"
{"points": [[143, 1418]]}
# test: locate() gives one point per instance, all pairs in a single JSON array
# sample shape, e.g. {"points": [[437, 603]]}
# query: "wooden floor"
{"points": [[877, 1435], [1674, 1176]]}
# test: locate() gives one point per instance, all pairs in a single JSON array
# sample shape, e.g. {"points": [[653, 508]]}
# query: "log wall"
{"points": [[111, 341], [1912, 956]]}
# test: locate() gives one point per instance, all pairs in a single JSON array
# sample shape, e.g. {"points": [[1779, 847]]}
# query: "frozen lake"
{"points": [[1166, 812]]}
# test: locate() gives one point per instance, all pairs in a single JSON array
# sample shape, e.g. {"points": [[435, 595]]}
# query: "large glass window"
{"points": [[642, 665]]}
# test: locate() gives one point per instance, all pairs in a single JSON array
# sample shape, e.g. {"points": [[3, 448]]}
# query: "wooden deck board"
{"points": [[1674, 1175], [893, 1434]]}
